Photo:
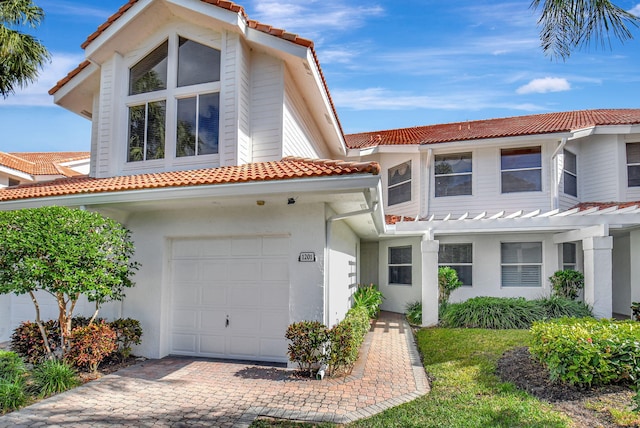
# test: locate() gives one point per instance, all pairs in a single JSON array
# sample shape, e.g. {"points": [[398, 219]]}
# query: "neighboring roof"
{"points": [[42, 163], [287, 168], [496, 128], [583, 206], [228, 5], [393, 219]]}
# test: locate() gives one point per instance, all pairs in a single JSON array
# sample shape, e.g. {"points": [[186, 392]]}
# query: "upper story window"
{"points": [[453, 174], [521, 169], [177, 83], [459, 257], [570, 174], [399, 184], [400, 265], [521, 264], [633, 164], [13, 182]]}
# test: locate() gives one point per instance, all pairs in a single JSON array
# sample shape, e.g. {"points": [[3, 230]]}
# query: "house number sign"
{"points": [[307, 257]]}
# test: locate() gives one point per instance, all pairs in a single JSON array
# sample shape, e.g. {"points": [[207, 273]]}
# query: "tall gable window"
{"points": [[453, 174], [633, 164], [521, 170], [177, 83], [399, 185], [570, 174]]}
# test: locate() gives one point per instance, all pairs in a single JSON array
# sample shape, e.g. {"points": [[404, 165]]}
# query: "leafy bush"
{"points": [[588, 352], [635, 308], [508, 312], [567, 283], [128, 332], [27, 341], [307, 340], [11, 366], [413, 311], [91, 344], [447, 282], [12, 395], [345, 340], [52, 377], [368, 297]]}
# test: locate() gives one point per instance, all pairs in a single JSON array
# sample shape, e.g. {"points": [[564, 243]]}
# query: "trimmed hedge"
{"points": [[345, 340], [508, 312], [588, 352]]}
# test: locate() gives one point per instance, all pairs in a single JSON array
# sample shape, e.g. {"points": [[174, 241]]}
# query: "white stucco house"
{"points": [[33, 167], [211, 139]]}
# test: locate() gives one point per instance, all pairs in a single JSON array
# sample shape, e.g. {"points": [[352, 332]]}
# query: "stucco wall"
{"points": [[621, 259], [342, 270], [149, 301], [397, 296]]}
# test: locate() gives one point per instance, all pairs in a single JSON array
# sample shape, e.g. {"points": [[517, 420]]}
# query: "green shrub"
{"points": [[52, 377], [586, 351], [447, 282], [11, 367], [368, 297], [558, 307], [345, 340], [91, 344], [128, 332], [492, 312], [12, 395], [307, 340], [27, 341], [567, 283], [635, 308], [413, 311]]}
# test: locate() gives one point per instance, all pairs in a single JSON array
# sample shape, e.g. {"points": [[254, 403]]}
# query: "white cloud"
{"points": [[544, 85], [36, 94], [635, 10], [313, 17]]}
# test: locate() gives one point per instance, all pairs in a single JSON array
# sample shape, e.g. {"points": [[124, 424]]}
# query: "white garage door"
{"points": [[230, 297]]}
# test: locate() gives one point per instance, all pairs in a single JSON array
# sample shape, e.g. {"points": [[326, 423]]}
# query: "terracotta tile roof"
{"points": [[42, 163], [582, 206], [496, 128], [393, 219], [287, 168], [228, 5]]}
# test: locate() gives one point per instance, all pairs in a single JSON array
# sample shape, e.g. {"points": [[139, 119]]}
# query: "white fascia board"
{"points": [[75, 82], [221, 14], [16, 173], [304, 185], [580, 234], [582, 133], [276, 44], [368, 151], [116, 26], [496, 142], [617, 129]]}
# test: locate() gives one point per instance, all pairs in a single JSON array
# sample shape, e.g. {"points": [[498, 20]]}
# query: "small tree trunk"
{"points": [[43, 332], [95, 314]]}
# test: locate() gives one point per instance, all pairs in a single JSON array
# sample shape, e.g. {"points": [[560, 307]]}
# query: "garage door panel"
{"points": [[275, 246], [215, 247], [214, 271], [274, 270], [245, 296], [245, 270], [213, 320], [187, 295], [273, 324], [185, 319], [244, 322], [184, 343], [185, 248], [186, 270], [211, 344], [214, 297], [244, 347], [272, 348]]}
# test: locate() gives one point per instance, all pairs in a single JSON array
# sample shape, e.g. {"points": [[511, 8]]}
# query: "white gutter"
{"points": [[426, 190], [372, 206]]}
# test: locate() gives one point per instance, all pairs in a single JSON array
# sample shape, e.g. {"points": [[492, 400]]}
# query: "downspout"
{"points": [[555, 182], [372, 207], [426, 190]]}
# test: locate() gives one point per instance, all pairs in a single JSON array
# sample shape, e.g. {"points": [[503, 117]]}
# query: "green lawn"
{"points": [[465, 391]]}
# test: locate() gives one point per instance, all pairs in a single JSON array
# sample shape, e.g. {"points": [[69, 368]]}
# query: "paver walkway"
{"points": [[198, 392]]}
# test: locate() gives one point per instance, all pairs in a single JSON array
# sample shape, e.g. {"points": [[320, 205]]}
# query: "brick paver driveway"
{"points": [[197, 392]]}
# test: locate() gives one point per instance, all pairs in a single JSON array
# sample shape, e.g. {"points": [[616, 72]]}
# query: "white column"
{"points": [[634, 253], [598, 283], [429, 250]]}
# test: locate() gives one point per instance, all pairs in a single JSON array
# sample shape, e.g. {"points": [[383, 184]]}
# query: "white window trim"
{"points": [[171, 95], [392, 186], [436, 175], [540, 168], [461, 264], [541, 264], [389, 265], [566, 171], [637, 164]]}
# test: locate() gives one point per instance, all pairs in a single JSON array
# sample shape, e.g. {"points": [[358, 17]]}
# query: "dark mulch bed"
{"points": [[517, 366]]}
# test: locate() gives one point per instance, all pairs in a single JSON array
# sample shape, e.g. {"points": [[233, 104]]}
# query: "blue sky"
{"points": [[388, 65]]}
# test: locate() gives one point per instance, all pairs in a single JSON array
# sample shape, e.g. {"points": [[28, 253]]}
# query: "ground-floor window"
{"points": [[459, 257], [569, 256], [521, 264], [400, 265]]}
